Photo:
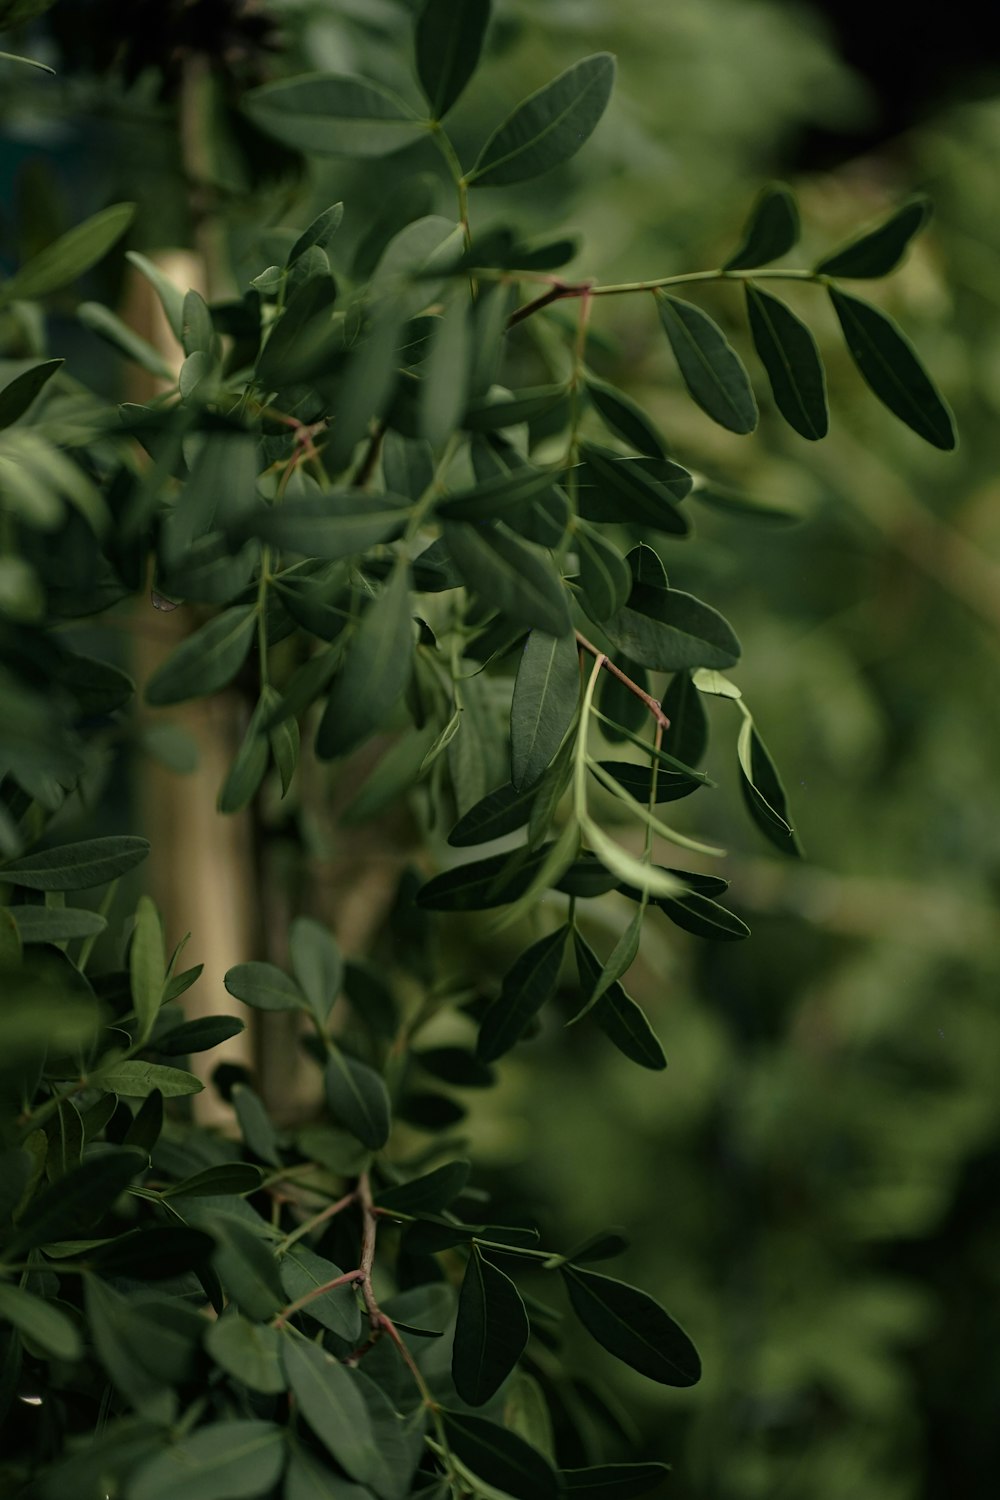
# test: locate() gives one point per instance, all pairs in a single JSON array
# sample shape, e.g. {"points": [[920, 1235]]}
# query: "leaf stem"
{"points": [[647, 698], [559, 290], [324, 1215]]}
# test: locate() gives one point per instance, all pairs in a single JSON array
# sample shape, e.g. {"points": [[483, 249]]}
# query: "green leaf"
{"points": [[303, 1273], [147, 967], [331, 1403], [229, 1178], [889, 365], [337, 524], [496, 411], [300, 341], [543, 704], [616, 1013], [320, 232], [308, 1479], [264, 987], [770, 232], [155, 1254], [248, 1352], [317, 965], [710, 367], [530, 981], [358, 1099], [78, 1200], [428, 1194], [17, 396], [614, 1481], [376, 670], [245, 1265], [515, 577], [199, 1036], [259, 1134], [250, 764], [687, 737], [113, 331], [70, 255], [789, 354], [147, 1127], [449, 40], [670, 631], [444, 386], [498, 813], [637, 780], [44, 1324], [491, 1331], [704, 918], [171, 296], [880, 250], [549, 126], [56, 924], [333, 114], [207, 660], [500, 1457], [641, 490], [223, 1461], [763, 792], [605, 576], [484, 883], [137, 1079], [623, 417], [197, 328], [631, 1326], [505, 494], [77, 867], [122, 1345]]}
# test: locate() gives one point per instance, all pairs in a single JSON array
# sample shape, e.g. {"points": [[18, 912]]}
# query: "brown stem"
{"points": [[318, 1291], [556, 293], [368, 1232], [633, 687], [366, 467]]}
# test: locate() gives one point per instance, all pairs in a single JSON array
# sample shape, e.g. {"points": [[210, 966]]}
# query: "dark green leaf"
{"points": [[687, 737], [358, 1099], [44, 1324], [543, 705], [449, 40], [19, 393], [515, 577], [704, 918], [498, 813], [625, 419], [376, 670], [510, 410], [320, 232], [70, 255], [245, 1265], [301, 340], [317, 965], [500, 1457], [530, 981], [670, 631], [199, 1036], [732, 503], [638, 781], [303, 1273], [259, 1134], [504, 494], [338, 524], [770, 232], [264, 987], [444, 387], [120, 336], [308, 1479], [454, 1065], [427, 1194], [334, 114], [483, 883], [604, 574], [710, 367], [880, 250], [229, 1178], [78, 1200], [586, 877], [640, 490], [545, 515], [153, 1254], [330, 1401], [250, 764], [789, 354], [549, 126], [57, 924], [889, 365], [632, 1327], [147, 966], [616, 1013], [248, 1352], [614, 1481], [77, 867], [223, 1461], [491, 1331], [207, 660], [147, 1127], [763, 792]]}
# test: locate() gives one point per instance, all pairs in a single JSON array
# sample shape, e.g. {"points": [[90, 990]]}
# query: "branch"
{"points": [[647, 698], [556, 293]]}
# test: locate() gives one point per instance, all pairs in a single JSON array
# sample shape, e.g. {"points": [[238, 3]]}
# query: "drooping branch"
{"points": [[647, 698]]}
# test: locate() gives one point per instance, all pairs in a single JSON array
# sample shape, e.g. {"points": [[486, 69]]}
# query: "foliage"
{"points": [[371, 524]]}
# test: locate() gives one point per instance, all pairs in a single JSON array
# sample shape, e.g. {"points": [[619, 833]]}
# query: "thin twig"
{"points": [[368, 1232], [556, 293], [324, 1214], [345, 1279], [366, 467], [633, 687]]}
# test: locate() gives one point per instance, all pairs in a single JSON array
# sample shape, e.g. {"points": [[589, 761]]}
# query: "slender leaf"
{"points": [[500, 812], [334, 114], [770, 232], [357, 1098], [889, 365], [77, 867], [444, 386], [527, 985], [614, 1481], [670, 631], [710, 367], [18, 394], [623, 417], [147, 966], [70, 255], [704, 918], [231, 1177], [792, 360], [449, 40], [335, 525], [543, 705], [880, 250], [264, 987], [500, 1457], [671, 786], [330, 1401], [376, 670], [319, 233], [619, 1017], [641, 490], [430, 1193], [763, 792], [199, 1036], [515, 577], [605, 576], [549, 126], [631, 1326], [207, 660], [491, 1331], [171, 296], [227, 1460]]}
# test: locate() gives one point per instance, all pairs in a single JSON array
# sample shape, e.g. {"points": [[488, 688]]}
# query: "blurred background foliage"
{"points": [[813, 1186]]}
